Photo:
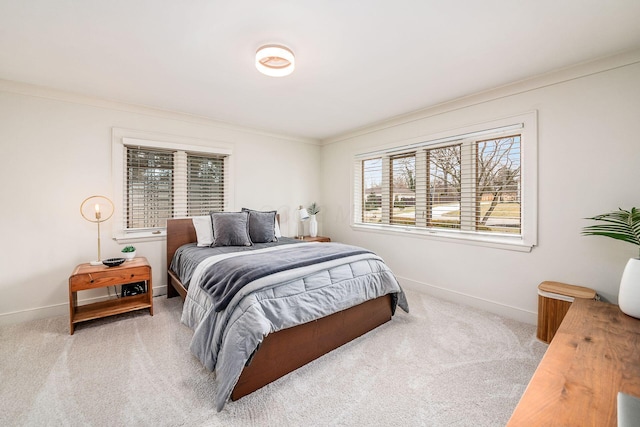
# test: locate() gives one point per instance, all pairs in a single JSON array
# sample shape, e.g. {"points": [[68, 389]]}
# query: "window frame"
{"points": [[121, 138], [526, 125]]}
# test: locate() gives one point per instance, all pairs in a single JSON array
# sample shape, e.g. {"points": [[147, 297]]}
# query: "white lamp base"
{"points": [[96, 263]]}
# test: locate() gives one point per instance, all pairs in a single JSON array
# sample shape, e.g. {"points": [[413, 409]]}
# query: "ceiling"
{"points": [[358, 62]]}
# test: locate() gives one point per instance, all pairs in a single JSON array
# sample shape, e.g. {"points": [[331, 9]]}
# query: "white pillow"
{"points": [[204, 230]]}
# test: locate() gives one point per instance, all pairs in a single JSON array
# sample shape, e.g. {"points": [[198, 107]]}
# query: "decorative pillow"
{"points": [[230, 228], [204, 230], [261, 226]]}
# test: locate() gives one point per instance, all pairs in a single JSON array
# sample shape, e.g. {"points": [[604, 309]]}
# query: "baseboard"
{"points": [[470, 300], [57, 309], [447, 294]]}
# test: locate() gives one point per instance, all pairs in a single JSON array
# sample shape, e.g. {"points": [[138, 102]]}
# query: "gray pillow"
{"points": [[262, 226], [230, 229]]}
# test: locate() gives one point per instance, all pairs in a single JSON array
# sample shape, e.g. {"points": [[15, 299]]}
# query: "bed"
{"points": [[276, 346]]}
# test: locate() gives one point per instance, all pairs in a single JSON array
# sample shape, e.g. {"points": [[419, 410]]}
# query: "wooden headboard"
{"points": [[180, 231]]}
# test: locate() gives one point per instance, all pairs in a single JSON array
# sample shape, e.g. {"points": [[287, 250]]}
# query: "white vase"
{"points": [[629, 293], [313, 226], [129, 255]]}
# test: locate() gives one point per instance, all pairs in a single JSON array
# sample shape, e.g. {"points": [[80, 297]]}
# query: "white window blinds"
{"points": [[497, 185], [149, 188], [464, 185], [369, 186], [162, 184], [205, 184]]}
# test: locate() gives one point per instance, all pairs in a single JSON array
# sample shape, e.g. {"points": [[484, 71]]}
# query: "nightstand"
{"points": [[316, 239], [87, 276]]}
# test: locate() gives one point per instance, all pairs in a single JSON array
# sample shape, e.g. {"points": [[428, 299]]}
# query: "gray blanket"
{"points": [[188, 256], [232, 274]]}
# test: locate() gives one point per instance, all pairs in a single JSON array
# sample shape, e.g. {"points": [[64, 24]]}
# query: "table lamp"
{"points": [[96, 209], [303, 215]]}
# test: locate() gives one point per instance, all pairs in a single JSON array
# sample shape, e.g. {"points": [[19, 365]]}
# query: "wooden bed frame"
{"points": [[286, 350]]}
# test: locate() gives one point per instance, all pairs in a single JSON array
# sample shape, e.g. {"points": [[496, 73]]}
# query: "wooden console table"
{"points": [[87, 276], [594, 355]]}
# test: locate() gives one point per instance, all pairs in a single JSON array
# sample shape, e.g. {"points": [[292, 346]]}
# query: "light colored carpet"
{"points": [[441, 365]]}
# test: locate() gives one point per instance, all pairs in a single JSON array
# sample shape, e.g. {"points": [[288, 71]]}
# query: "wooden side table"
{"points": [[594, 355], [87, 276], [554, 300], [316, 239]]}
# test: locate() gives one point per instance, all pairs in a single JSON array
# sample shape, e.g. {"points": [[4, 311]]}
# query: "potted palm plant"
{"points": [[623, 225]]}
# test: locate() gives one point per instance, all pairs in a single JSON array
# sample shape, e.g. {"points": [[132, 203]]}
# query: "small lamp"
{"points": [[96, 209], [303, 215]]}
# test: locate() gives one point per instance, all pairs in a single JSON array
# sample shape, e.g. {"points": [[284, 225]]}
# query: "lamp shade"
{"points": [[97, 209], [303, 214]]}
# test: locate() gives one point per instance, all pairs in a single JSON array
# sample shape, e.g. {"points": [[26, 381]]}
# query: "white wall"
{"points": [[56, 151], [589, 158]]}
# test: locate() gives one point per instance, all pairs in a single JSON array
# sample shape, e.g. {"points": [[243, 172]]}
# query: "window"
{"points": [[148, 188], [372, 190], [444, 185], [160, 180], [497, 186], [205, 184], [403, 189], [468, 186]]}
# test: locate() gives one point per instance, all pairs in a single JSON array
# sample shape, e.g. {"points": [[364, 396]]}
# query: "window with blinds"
{"points": [[205, 184], [469, 185], [162, 184], [497, 185], [149, 188], [403, 189], [444, 187], [372, 190]]}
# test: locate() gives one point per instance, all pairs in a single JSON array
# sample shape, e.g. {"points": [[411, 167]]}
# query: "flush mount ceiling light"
{"points": [[275, 60]]}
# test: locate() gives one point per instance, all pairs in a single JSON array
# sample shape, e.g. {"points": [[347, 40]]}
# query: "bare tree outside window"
{"points": [[444, 187], [469, 186], [403, 189], [498, 185], [473, 185]]}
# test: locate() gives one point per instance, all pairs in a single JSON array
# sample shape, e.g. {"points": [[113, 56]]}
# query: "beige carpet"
{"points": [[441, 365]]}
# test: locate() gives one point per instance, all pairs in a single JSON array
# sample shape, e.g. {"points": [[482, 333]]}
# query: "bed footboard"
{"points": [[287, 350]]}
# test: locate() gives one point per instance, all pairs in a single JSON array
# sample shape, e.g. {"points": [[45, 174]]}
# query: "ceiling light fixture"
{"points": [[275, 60]]}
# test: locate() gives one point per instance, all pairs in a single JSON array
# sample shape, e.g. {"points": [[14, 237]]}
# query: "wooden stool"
{"points": [[554, 300]]}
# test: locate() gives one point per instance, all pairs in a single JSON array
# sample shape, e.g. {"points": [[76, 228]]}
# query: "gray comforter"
{"points": [[233, 274], [225, 340]]}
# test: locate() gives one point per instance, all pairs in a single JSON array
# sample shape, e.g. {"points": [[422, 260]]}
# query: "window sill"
{"points": [[496, 242], [141, 236]]}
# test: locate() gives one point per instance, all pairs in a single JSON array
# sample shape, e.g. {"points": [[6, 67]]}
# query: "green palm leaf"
{"points": [[621, 225]]}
